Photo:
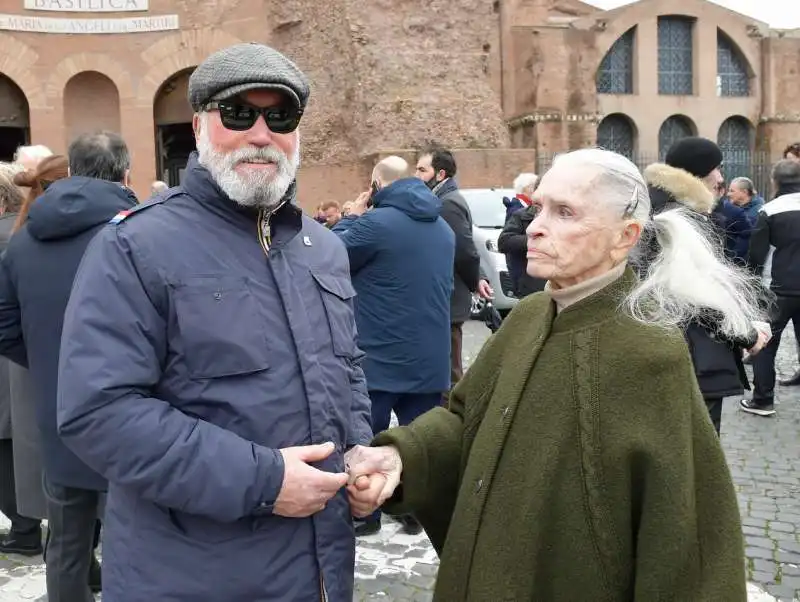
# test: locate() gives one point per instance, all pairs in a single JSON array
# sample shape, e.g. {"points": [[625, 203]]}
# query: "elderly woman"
{"points": [[576, 460]]}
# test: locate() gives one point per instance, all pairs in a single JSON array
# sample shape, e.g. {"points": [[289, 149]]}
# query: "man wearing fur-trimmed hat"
{"points": [[691, 179]]}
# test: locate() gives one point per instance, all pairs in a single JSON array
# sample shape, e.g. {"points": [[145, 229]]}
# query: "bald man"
{"points": [[401, 262]]}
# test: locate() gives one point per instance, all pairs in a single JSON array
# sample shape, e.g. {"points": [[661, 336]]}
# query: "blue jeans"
{"points": [[407, 406]]}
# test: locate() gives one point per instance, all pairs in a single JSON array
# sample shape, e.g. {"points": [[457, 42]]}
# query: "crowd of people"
{"points": [[208, 376]]}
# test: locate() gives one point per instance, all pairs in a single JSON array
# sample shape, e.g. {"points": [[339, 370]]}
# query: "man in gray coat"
{"points": [[25, 536], [209, 367], [437, 168]]}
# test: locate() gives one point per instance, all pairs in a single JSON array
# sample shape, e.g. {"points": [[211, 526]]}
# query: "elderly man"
{"points": [[401, 259], [209, 365]]}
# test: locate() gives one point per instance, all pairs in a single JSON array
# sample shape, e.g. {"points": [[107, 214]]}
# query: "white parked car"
{"points": [[488, 219]]}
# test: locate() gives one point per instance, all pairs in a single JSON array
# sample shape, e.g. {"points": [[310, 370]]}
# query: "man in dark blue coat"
{"points": [[209, 365], [38, 272], [401, 260]]}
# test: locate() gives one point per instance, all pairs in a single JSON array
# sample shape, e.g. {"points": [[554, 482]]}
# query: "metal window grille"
{"points": [[615, 75], [734, 140], [672, 130], [675, 63], [615, 133], [732, 74]]}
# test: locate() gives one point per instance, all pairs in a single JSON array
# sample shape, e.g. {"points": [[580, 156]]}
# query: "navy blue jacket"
{"points": [[738, 228], [401, 261], [195, 347], [35, 283]]}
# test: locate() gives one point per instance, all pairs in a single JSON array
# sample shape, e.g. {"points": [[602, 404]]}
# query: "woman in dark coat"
{"points": [[686, 180]]}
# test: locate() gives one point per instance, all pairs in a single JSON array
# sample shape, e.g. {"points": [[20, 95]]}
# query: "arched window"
{"points": [[734, 140], [673, 129], [616, 133], [732, 77], [675, 62], [615, 75]]}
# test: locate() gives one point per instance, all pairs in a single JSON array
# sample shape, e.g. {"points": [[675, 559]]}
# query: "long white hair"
{"points": [[684, 273]]}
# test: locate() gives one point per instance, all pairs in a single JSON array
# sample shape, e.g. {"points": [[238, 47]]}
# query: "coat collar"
{"points": [[285, 221], [680, 187]]}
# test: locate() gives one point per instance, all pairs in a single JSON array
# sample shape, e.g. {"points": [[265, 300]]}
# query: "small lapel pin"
{"points": [[307, 241]]}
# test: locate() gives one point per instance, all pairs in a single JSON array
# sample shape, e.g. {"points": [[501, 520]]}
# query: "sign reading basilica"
{"points": [[87, 6]]}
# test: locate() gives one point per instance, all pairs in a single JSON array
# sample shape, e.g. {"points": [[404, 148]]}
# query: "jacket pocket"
{"points": [[220, 327], [337, 297], [199, 528]]}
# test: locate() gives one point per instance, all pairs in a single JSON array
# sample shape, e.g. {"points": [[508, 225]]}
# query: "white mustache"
{"points": [[245, 155]]}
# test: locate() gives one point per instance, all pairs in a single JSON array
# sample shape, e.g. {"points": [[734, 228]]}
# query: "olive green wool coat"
{"points": [[576, 463]]}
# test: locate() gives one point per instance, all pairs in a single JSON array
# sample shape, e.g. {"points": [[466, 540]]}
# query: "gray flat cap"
{"points": [[243, 67]]}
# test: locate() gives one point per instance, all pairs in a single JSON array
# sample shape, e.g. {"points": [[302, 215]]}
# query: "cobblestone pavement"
{"points": [[764, 455]]}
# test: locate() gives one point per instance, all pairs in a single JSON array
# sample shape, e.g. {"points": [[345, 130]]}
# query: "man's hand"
{"points": [[374, 475], [360, 205], [485, 290], [306, 490]]}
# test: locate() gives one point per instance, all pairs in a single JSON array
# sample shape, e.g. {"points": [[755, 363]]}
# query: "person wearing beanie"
{"points": [[691, 179]]}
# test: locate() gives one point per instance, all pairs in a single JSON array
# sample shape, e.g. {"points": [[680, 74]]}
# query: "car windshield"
{"points": [[486, 206]]}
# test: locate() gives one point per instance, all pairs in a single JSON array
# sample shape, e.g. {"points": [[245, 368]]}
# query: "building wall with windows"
{"points": [[506, 83], [385, 76], [638, 78]]}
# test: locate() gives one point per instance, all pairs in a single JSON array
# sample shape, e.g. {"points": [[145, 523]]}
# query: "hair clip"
{"points": [[633, 204]]}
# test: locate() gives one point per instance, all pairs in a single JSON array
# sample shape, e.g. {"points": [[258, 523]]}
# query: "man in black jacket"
{"points": [[437, 168], [778, 226]]}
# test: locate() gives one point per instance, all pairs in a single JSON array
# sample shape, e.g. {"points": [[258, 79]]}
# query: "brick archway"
{"points": [[16, 63], [176, 53], [78, 63]]}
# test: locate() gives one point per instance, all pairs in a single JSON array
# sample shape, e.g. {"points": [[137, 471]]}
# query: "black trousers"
{"points": [[21, 526], [714, 405], [785, 309], [73, 531]]}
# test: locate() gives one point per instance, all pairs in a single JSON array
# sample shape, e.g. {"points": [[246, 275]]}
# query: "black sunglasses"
{"points": [[239, 116]]}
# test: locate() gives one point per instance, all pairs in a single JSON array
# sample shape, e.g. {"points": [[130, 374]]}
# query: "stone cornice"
{"points": [[552, 116]]}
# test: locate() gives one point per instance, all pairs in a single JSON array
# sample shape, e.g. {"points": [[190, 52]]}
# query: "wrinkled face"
{"points": [[254, 167], [425, 171], [738, 195], [715, 183], [575, 236]]}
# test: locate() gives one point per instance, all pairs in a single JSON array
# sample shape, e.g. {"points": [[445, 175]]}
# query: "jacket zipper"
{"points": [[265, 239], [323, 593], [264, 235]]}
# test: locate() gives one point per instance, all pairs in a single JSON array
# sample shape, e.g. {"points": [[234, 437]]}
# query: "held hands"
{"points": [[374, 475], [764, 336], [305, 489]]}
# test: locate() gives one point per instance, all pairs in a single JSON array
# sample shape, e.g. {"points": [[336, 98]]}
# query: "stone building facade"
{"points": [[505, 82]]}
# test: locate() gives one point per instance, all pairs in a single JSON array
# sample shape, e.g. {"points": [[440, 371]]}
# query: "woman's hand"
{"points": [[764, 336], [374, 475]]}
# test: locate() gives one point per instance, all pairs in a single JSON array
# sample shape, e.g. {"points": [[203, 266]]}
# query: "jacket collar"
{"points": [[285, 221], [444, 187], [680, 187]]}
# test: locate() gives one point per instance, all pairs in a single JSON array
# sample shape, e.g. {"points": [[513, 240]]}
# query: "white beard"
{"points": [[258, 189]]}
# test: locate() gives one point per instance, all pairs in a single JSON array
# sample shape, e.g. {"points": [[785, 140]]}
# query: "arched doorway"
{"points": [[91, 104], [14, 118], [172, 115], [673, 129], [617, 133], [735, 140]]}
